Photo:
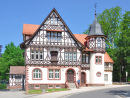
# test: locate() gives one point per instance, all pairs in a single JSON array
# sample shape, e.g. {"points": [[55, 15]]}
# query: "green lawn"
{"points": [[47, 91]]}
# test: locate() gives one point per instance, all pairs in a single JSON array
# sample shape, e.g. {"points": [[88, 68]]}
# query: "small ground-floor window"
{"points": [[57, 86], [105, 77], [37, 86], [50, 86]]}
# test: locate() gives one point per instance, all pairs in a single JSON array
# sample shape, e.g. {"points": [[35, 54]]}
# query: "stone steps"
{"points": [[72, 85]]}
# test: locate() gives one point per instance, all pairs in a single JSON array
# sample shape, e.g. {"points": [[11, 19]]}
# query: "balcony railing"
{"points": [[108, 68]]}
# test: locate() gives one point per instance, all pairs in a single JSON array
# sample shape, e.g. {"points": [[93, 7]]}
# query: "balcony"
{"points": [[108, 68], [84, 65]]}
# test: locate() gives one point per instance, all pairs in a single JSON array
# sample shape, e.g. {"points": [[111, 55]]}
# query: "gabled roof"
{"points": [[29, 29], [17, 70], [53, 10], [107, 58]]}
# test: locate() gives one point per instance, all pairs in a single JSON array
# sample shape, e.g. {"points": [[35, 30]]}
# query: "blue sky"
{"points": [[77, 14]]}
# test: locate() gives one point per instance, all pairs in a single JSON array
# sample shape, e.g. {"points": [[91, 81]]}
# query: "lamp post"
{"points": [[126, 76]]}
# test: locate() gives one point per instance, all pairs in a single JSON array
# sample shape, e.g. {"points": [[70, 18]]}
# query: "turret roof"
{"points": [[95, 29]]}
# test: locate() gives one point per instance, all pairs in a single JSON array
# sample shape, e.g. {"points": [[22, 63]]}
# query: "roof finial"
{"points": [[95, 9]]}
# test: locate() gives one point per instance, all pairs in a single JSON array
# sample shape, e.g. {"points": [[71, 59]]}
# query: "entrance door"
{"points": [[70, 76], [82, 78]]}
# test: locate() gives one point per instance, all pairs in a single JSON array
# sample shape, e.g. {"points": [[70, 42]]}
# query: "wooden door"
{"points": [[82, 78], [70, 76]]}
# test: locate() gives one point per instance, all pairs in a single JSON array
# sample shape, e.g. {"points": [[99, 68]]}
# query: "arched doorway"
{"points": [[83, 78], [70, 76]]}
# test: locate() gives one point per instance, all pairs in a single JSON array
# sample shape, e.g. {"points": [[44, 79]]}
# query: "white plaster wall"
{"points": [[45, 75], [28, 52], [94, 68], [78, 54], [109, 78]]}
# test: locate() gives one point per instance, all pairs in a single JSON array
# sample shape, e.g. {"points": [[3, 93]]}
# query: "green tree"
{"points": [[0, 49], [123, 45], [12, 56], [110, 20]]}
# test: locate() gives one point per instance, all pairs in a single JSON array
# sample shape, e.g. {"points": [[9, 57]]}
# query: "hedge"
{"points": [[2, 86]]}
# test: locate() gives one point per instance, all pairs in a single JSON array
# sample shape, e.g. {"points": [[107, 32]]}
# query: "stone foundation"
{"points": [[44, 86]]}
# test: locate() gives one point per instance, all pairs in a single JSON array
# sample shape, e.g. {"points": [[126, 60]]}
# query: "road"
{"points": [[105, 93]]}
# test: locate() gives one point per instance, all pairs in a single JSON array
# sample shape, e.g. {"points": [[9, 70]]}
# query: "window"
{"points": [[37, 86], [36, 55], [57, 86], [18, 78], [32, 55], [57, 74], [105, 77], [98, 74], [50, 86], [54, 73], [54, 36], [53, 21], [98, 43], [66, 56], [74, 56], [50, 74], [41, 56], [98, 60], [70, 56], [37, 74], [85, 58]]}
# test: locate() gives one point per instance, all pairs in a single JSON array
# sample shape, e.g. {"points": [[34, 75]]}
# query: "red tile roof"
{"points": [[17, 70], [107, 58], [81, 37], [29, 29]]}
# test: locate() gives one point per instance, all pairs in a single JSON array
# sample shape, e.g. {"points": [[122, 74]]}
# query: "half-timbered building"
{"points": [[57, 58]]}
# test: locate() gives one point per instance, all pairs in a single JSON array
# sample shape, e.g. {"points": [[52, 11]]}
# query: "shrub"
{"points": [[2, 86]]}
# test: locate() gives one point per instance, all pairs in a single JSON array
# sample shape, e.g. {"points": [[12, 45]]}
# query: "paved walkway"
{"points": [[62, 94]]}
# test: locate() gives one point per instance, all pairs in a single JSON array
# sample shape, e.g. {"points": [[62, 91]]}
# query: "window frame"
{"points": [[37, 87], [51, 35], [99, 43], [50, 85], [54, 74], [98, 60], [57, 85], [86, 55], [57, 73], [105, 78], [34, 54], [38, 74], [70, 56], [97, 74], [74, 58], [54, 20]]}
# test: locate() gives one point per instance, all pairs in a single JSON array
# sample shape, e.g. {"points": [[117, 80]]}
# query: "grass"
{"points": [[47, 91], [34, 91]]}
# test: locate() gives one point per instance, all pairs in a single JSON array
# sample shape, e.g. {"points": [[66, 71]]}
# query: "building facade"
{"points": [[57, 58]]}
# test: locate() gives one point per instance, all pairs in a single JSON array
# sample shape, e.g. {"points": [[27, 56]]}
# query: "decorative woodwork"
{"points": [[93, 44]]}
